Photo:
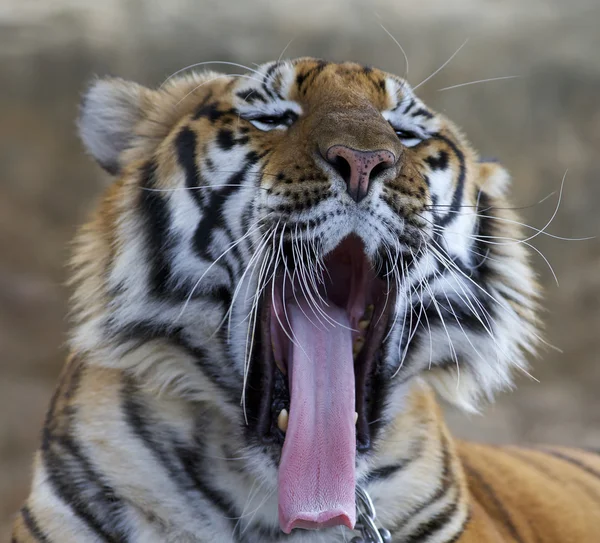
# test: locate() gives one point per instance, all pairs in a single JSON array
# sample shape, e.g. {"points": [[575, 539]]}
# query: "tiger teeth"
{"points": [[358, 345], [281, 367], [355, 417], [282, 420], [279, 364], [364, 324]]}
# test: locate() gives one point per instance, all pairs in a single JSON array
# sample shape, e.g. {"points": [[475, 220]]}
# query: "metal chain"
{"points": [[365, 521]]}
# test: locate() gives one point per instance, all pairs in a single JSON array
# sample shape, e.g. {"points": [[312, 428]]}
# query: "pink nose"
{"points": [[359, 168]]}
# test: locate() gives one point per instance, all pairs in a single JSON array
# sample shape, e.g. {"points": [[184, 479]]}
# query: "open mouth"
{"points": [[320, 349]]}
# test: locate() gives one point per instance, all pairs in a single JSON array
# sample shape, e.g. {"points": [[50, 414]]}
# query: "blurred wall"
{"points": [[539, 125]]}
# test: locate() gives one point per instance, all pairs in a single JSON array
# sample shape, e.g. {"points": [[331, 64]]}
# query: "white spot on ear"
{"points": [[109, 112]]}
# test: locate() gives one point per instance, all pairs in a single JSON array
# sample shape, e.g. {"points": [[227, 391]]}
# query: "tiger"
{"points": [[288, 270]]}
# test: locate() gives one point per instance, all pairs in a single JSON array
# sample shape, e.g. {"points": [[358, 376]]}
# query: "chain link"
{"points": [[365, 521]]}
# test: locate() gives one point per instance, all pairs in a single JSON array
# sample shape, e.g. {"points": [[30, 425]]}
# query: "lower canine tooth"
{"points": [[282, 420], [355, 417]]}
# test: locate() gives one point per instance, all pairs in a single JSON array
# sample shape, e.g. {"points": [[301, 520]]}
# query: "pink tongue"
{"points": [[316, 472]]}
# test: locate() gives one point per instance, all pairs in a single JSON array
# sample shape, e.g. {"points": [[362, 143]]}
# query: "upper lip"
{"points": [[267, 383]]}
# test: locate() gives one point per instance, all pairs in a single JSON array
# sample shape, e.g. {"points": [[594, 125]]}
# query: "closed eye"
{"points": [[408, 137], [271, 122]]}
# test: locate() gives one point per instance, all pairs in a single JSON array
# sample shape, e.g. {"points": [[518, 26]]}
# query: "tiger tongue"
{"points": [[316, 471]]}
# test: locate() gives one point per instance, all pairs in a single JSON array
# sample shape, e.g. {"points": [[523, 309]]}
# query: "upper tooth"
{"points": [[281, 366], [364, 324], [282, 420], [355, 417], [358, 343]]}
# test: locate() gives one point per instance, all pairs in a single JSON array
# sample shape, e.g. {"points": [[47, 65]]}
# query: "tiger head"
{"points": [[292, 248]]}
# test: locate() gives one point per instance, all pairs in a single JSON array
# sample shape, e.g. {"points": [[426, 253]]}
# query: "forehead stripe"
{"points": [[314, 72]]}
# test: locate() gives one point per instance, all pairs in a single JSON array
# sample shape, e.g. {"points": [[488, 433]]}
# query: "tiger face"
{"points": [[292, 248]]}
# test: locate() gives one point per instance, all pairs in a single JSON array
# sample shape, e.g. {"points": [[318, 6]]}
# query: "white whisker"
{"points": [[208, 63], [442, 66], [479, 81], [400, 47], [203, 187], [197, 284], [284, 50], [241, 76]]}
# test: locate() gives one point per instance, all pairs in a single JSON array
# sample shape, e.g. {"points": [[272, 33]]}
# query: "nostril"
{"points": [[379, 168], [343, 167], [358, 168]]}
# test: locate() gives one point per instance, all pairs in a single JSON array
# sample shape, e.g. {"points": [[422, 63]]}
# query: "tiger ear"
{"points": [[493, 178], [110, 110]]}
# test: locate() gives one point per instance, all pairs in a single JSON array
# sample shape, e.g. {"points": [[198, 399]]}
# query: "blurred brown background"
{"points": [[539, 125]]}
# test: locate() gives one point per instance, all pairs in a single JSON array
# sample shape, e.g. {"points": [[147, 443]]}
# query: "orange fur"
{"points": [[123, 399]]}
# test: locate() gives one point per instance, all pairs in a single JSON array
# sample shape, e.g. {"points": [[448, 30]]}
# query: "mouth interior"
{"points": [[320, 341]]}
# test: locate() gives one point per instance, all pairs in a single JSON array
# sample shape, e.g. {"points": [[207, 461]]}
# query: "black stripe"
{"points": [[147, 331], [390, 470], [78, 484], [68, 385], [461, 530], [410, 105], [422, 112], [191, 461], [251, 96], [222, 375], [186, 144], [457, 197], [212, 112], [301, 79], [573, 461], [223, 295], [503, 513], [457, 311], [225, 139], [203, 102], [470, 318], [33, 526], [384, 472], [155, 213], [246, 224], [70, 473], [180, 461], [378, 84], [542, 470], [439, 162], [267, 78], [484, 232], [446, 481], [432, 526], [213, 211]]}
